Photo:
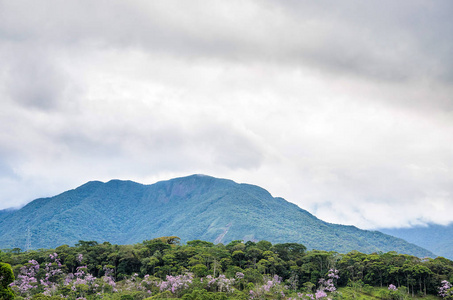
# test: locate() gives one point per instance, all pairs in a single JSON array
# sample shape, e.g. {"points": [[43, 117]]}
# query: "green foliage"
{"points": [[44, 297], [289, 250], [6, 277], [204, 295], [362, 276], [6, 294], [163, 295], [199, 270]]}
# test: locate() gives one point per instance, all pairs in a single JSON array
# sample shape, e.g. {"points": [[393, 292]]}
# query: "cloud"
{"points": [[343, 108], [33, 81], [381, 40]]}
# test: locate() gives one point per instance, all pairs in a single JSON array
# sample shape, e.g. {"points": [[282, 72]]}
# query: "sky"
{"points": [[344, 108]]}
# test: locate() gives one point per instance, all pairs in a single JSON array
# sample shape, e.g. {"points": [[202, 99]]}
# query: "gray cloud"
{"points": [[33, 81], [382, 40], [343, 108]]}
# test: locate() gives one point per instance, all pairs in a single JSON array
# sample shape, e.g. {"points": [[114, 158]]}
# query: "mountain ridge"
{"points": [[433, 237], [192, 207]]}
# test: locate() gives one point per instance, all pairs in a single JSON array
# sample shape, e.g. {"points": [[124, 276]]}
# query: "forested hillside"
{"points": [[194, 207], [163, 268], [436, 238]]}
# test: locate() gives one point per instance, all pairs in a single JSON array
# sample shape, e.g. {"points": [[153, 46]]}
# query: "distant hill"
{"points": [[436, 238], [193, 207], [4, 212]]}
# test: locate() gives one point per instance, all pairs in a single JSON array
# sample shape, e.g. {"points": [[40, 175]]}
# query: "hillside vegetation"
{"points": [[194, 207], [163, 268]]}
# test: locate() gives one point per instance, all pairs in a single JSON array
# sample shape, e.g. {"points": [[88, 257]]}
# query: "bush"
{"points": [[6, 277]]}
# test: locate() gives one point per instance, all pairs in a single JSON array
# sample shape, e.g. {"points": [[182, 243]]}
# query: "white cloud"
{"points": [[345, 111]]}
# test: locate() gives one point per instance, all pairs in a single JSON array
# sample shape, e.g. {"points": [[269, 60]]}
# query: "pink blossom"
{"points": [[392, 287]]}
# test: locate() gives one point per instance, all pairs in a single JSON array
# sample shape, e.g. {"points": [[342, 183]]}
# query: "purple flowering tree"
{"points": [[326, 286], [446, 290], [54, 274], [393, 293], [146, 284], [77, 285], [108, 281], [271, 288], [175, 284], [26, 281], [221, 283]]}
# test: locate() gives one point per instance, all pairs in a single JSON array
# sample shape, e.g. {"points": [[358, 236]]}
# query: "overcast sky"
{"points": [[342, 107]]}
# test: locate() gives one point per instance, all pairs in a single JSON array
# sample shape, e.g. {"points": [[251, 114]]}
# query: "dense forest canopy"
{"points": [[242, 269]]}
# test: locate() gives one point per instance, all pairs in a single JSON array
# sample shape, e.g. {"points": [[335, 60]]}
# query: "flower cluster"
{"points": [[145, 284], [175, 283], [132, 282], [270, 285], [328, 285], [26, 280], [53, 273], [221, 283], [80, 283], [445, 290], [108, 279], [324, 286], [392, 287], [320, 294]]}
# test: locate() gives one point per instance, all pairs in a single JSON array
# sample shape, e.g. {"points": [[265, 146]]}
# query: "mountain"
{"points": [[193, 207], [436, 238], [5, 212]]}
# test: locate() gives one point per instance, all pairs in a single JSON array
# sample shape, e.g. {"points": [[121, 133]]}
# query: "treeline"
{"points": [[298, 269]]}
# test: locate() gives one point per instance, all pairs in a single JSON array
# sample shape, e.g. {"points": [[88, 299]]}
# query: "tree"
{"points": [[264, 245], [199, 243], [199, 270], [156, 245], [288, 251], [376, 269], [6, 277], [170, 240], [254, 254], [86, 244]]}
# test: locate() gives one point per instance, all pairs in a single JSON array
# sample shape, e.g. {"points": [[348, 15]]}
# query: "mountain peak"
{"points": [[193, 207]]}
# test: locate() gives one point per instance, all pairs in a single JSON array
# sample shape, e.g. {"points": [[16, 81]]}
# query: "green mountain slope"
{"points": [[193, 207], [436, 238], [5, 212]]}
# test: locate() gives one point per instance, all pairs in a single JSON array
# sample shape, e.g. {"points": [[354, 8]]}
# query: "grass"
{"points": [[376, 293]]}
